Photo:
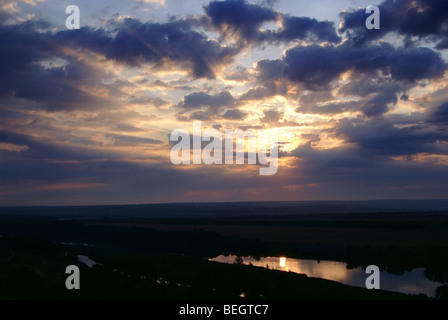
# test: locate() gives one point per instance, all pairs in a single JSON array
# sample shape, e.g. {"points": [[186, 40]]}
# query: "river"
{"points": [[413, 282]]}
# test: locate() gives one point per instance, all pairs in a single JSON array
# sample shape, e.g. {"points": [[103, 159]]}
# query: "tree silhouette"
{"points": [[239, 260]]}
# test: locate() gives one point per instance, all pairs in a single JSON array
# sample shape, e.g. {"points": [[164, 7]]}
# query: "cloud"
{"points": [[316, 67], [270, 70], [34, 67], [346, 173], [440, 114], [201, 99], [240, 18], [304, 27], [127, 128], [40, 148], [260, 93], [374, 102], [234, 115], [155, 101], [158, 2], [378, 105], [271, 116], [125, 140], [13, 147], [9, 10], [137, 43], [383, 139], [363, 85], [421, 18], [84, 113], [211, 106], [242, 21]]}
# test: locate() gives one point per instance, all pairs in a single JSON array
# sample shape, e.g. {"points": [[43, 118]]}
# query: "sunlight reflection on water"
{"points": [[413, 282]]}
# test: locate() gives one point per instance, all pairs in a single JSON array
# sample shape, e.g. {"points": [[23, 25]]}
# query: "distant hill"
{"points": [[229, 209]]}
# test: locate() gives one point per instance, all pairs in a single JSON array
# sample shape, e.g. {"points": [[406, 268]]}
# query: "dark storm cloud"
{"points": [[22, 48], [346, 173], [41, 150], [47, 165], [240, 18], [352, 171], [151, 42], [22, 45], [383, 139], [420, 18], [376, 104], [363, 85], [440, 115], [56, 86], [304, 27], [378, 93], [30, 181], [23, 76], [336, 158], [270, 70], [154, 43], [316, 66], [221, 105]]}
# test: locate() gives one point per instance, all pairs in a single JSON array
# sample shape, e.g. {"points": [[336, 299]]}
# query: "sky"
{"points": [[86, 114]]}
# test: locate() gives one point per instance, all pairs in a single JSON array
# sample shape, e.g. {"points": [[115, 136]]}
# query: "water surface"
{"points": [[413, 282]]}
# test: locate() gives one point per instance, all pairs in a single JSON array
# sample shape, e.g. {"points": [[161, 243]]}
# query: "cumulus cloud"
{"points": [[206, 106], [305, 27], [240, 18], [155, 43], [316, 66], [200, 99], [420, 18], [383, 139], [242, 21], [34, 67], [346, 173]]}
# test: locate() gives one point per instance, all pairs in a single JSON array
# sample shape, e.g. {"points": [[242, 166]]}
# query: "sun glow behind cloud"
{"points": [[115, 89]]}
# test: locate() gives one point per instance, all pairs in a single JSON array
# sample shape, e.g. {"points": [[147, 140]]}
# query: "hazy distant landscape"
{"points": [[164, 251]]}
